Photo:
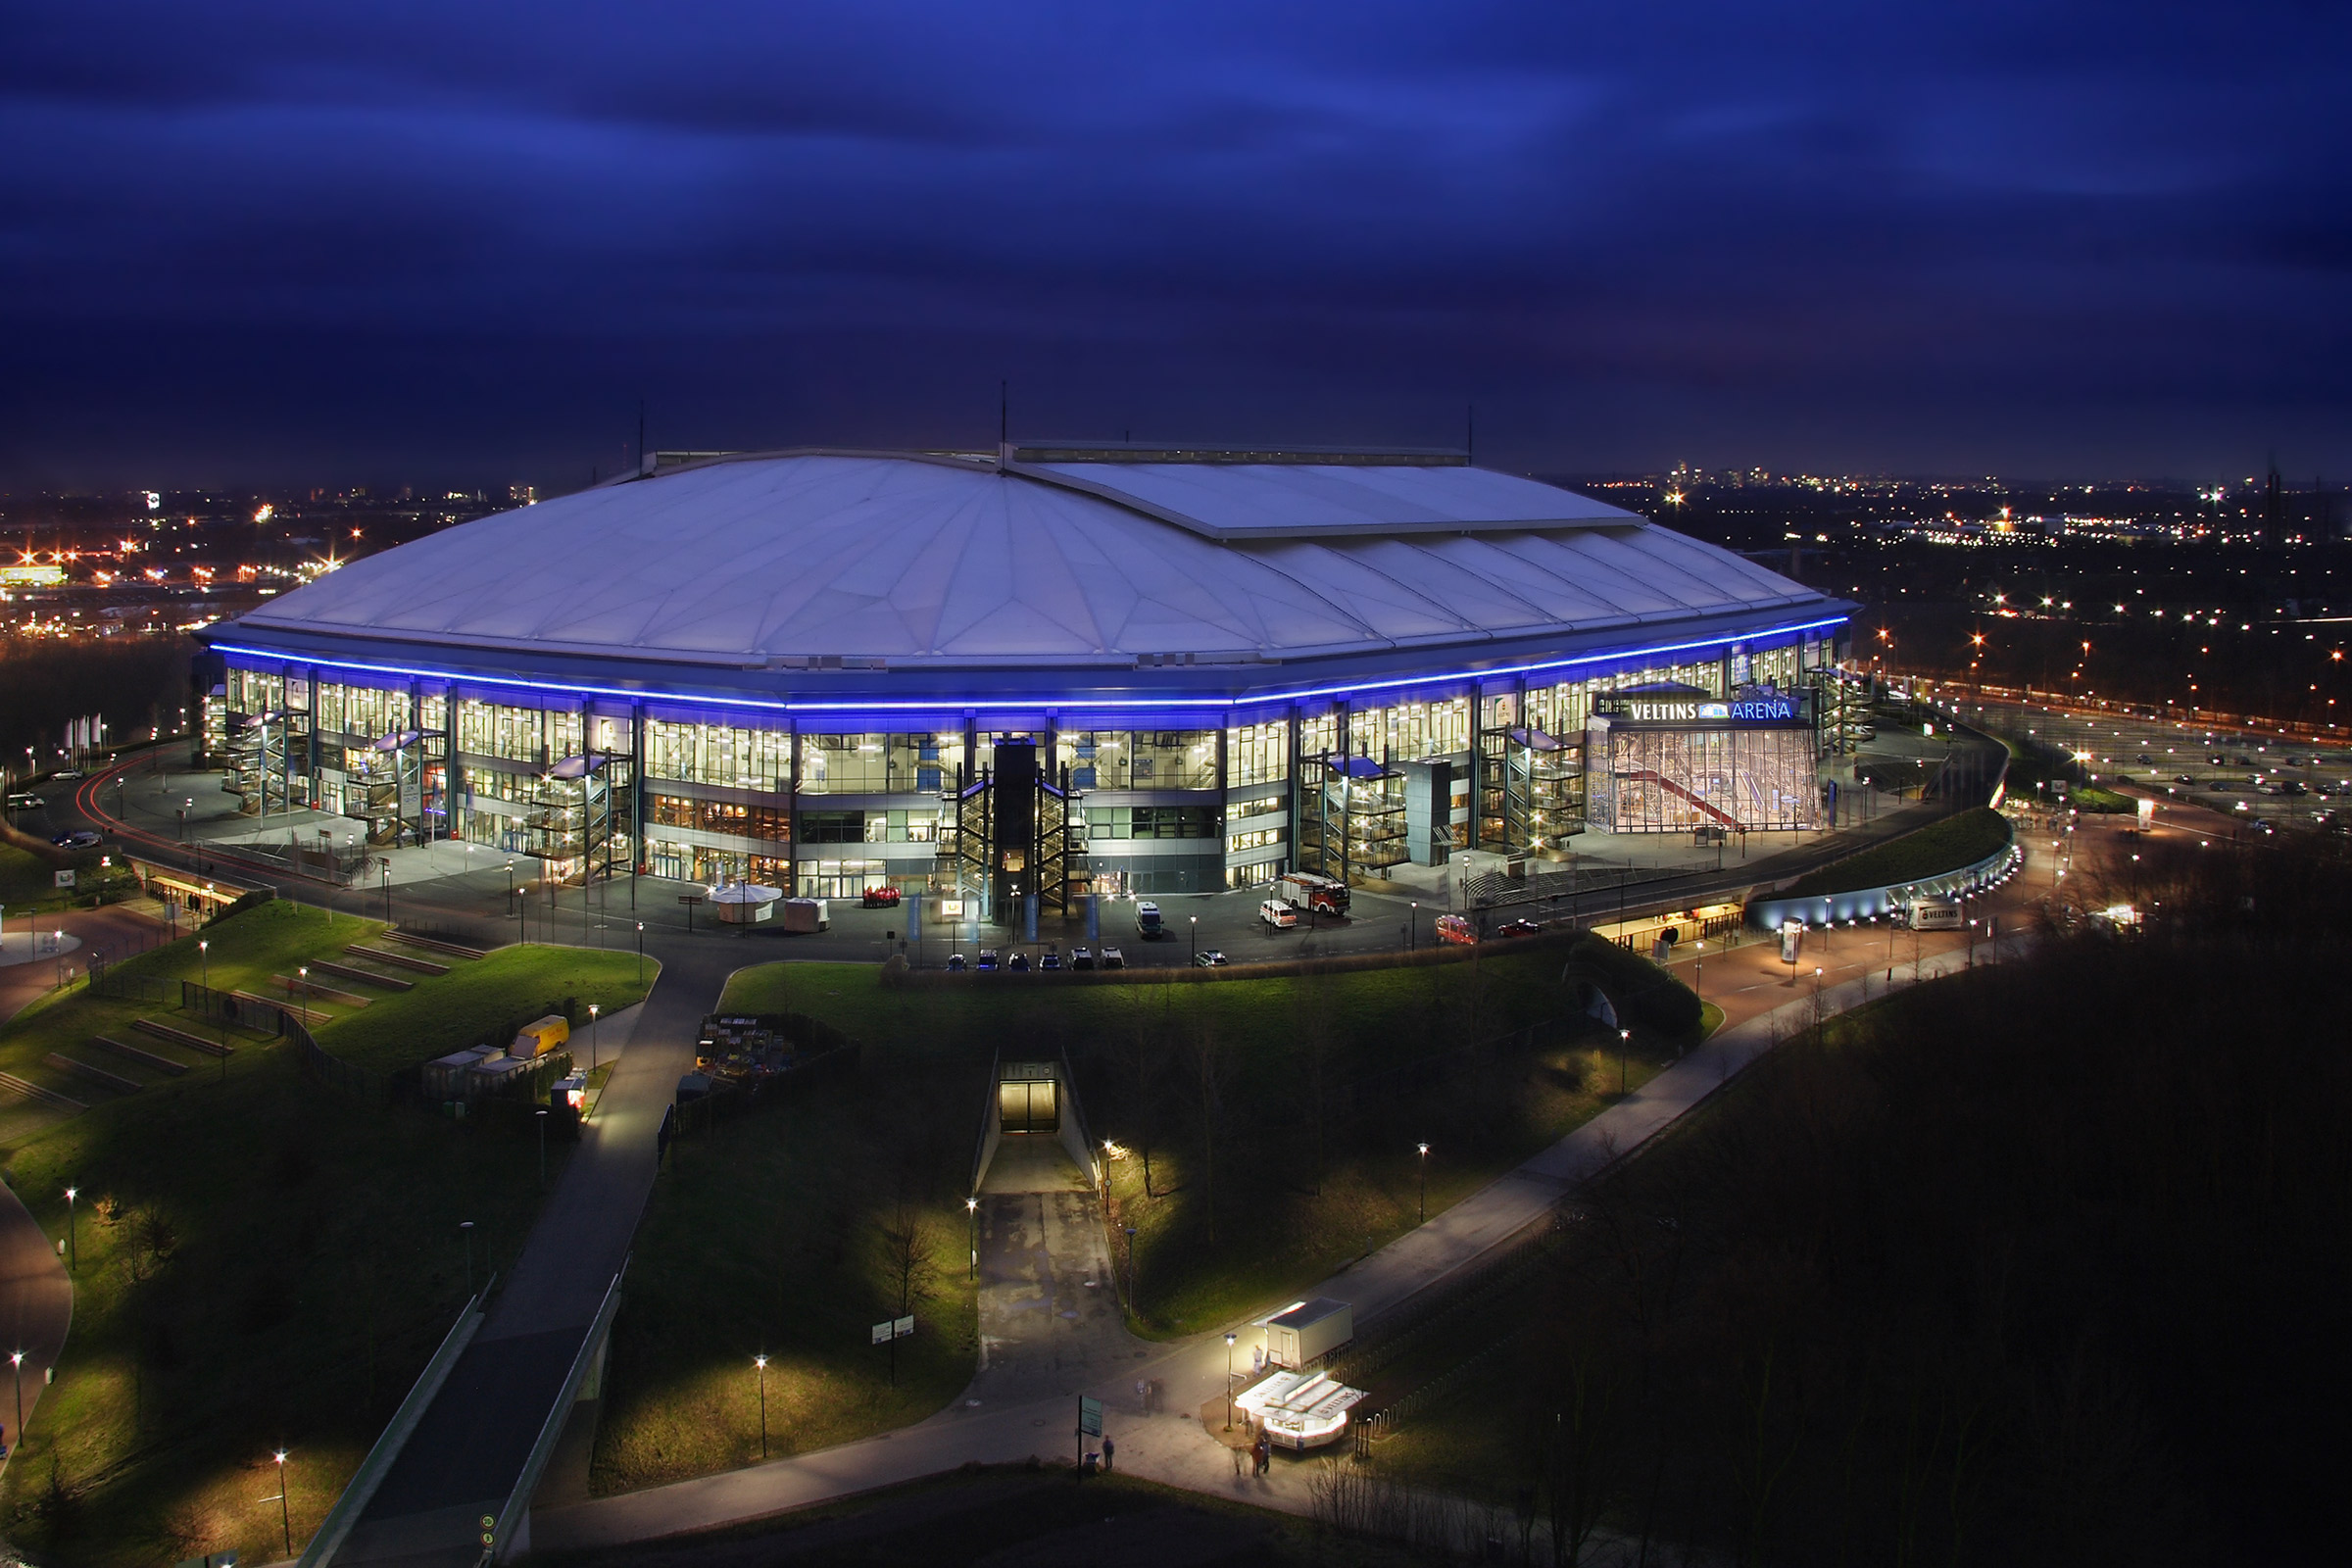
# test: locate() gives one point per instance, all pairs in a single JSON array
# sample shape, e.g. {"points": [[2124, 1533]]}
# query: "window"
{"points": [[1150, 822], [833, 827], [1257, 753], [717, 753], [1256, 839]]}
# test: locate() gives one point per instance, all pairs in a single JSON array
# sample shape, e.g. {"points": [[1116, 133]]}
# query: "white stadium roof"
{"points": [[1045, 559]]}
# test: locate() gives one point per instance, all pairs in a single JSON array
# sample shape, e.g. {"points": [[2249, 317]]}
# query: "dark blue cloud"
{"points": [[289, 242]]}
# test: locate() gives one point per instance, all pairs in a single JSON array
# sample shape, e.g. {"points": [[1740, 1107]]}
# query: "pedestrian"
{"points": [[1265, 1453], [1237, 1463], [1142, 1396], [1108, 1449]]}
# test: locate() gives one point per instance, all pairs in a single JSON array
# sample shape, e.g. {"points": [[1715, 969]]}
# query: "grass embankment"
{"points": [[1269, 1127], [261, 1261], [29, 881], [1955, 842], [1939, 1287]]}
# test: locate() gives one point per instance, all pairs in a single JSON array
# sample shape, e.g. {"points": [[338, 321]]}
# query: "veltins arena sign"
{"points": [[1698, 709]]}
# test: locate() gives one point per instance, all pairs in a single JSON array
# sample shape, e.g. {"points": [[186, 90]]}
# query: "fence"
{"points": [[267, 1017]]}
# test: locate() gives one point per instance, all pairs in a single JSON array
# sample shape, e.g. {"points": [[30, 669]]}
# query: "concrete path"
{"points": [[470, 1449], [1168, 1444], [1050, 1318], [36, 1299]]}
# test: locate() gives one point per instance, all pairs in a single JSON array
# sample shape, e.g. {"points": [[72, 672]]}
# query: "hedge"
{"points": [[1945, 846]]}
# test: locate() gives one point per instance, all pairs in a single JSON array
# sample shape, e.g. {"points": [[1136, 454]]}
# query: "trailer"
{"points": [[1305, 1332], [1323, 895], [1933, 914], [807, 915]]}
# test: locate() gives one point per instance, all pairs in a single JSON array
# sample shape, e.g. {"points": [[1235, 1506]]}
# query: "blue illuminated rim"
{"points": [[1033, 703]]}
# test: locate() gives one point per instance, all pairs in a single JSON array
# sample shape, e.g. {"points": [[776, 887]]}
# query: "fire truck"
{"points": [[1322, 894]]}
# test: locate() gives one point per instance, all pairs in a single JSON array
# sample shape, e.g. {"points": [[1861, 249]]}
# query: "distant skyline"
{"points": [[275, 245]]}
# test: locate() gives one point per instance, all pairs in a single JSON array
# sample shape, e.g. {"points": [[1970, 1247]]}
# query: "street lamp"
{"points": [[15, 1360], [1196, 920], [1424, 1149], [1229, 1339], [592, 1037], [760, 1361], [72, 1249], [641, 953], [305, 972], [513, 908], [1625, 1037], [204, 956], [285, 1515], [1412, 942], [972, 1208]]}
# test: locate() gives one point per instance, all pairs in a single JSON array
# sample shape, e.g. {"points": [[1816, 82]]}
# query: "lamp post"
{"points": [[465, 1230], [1625, 1038], [592, 1037], [72, 1248], [971, 1209], [16, 1361], [1195, 927], [285, 1512], [387, 865], [1412, 941], [1699, 970], [513, 908], [204, 957], [760, 1362], [1229, 1339], [305, 972], [641, 953], [1424, 1150]]}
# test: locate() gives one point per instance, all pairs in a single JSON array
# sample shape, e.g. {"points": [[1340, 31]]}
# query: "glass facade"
{"points": [[1319, 785]]}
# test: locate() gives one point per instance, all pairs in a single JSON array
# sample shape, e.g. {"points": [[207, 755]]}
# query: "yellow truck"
{"points": [[540, 1038]]}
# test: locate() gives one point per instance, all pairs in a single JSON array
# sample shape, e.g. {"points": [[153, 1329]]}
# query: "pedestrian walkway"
{"points": [[1050, 1317], [1168, 1445]]}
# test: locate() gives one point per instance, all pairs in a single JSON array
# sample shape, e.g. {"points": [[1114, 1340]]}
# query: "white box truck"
{"points": [[1305, 1332], [1934, 914]]}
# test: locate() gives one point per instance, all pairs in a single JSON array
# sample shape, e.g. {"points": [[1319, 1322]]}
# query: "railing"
{"points": [[512, 1533], [361, 1488]]}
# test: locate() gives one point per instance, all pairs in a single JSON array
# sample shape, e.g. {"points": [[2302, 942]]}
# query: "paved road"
{"points": [[1168, 1444], [36, 1299], [469, 1449], [1050, 1318]]}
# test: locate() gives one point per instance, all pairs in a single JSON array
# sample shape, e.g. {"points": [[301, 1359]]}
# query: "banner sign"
{"points": [[1781, 709]]}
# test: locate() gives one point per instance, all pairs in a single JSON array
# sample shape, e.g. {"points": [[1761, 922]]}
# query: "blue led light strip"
{"points": [[1033, 703]]}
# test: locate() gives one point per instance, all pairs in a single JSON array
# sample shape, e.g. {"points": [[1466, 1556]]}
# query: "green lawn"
{"points": [[777, 1232], [1958, 841], [29, 882], [263, 1260], [1227, 1223]]}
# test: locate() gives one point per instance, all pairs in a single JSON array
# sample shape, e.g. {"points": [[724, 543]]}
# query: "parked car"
{"points": [[1209, 959], [988, 958], [1453, 928], [1518, 928], [1050, 960], [1279, 914], [80, 839], [955, 963], [1082, 958], [1113, 958], [67, 775], [1020, 960], [25, 800]]}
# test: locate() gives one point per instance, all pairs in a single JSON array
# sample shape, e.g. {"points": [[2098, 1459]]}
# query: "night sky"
{"points": [[340, 243]]}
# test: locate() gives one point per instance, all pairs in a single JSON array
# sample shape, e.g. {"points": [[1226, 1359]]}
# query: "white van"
{"points": [[1280, 913]]}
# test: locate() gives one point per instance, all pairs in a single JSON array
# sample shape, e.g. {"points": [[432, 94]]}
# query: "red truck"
{"points": [[1322, 894]]}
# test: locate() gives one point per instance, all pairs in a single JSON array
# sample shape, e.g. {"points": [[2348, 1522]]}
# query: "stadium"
{"points": [[1045, 671]]}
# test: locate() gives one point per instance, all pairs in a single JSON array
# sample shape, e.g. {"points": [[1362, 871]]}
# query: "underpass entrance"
{"points": [[1029, 1097]]}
